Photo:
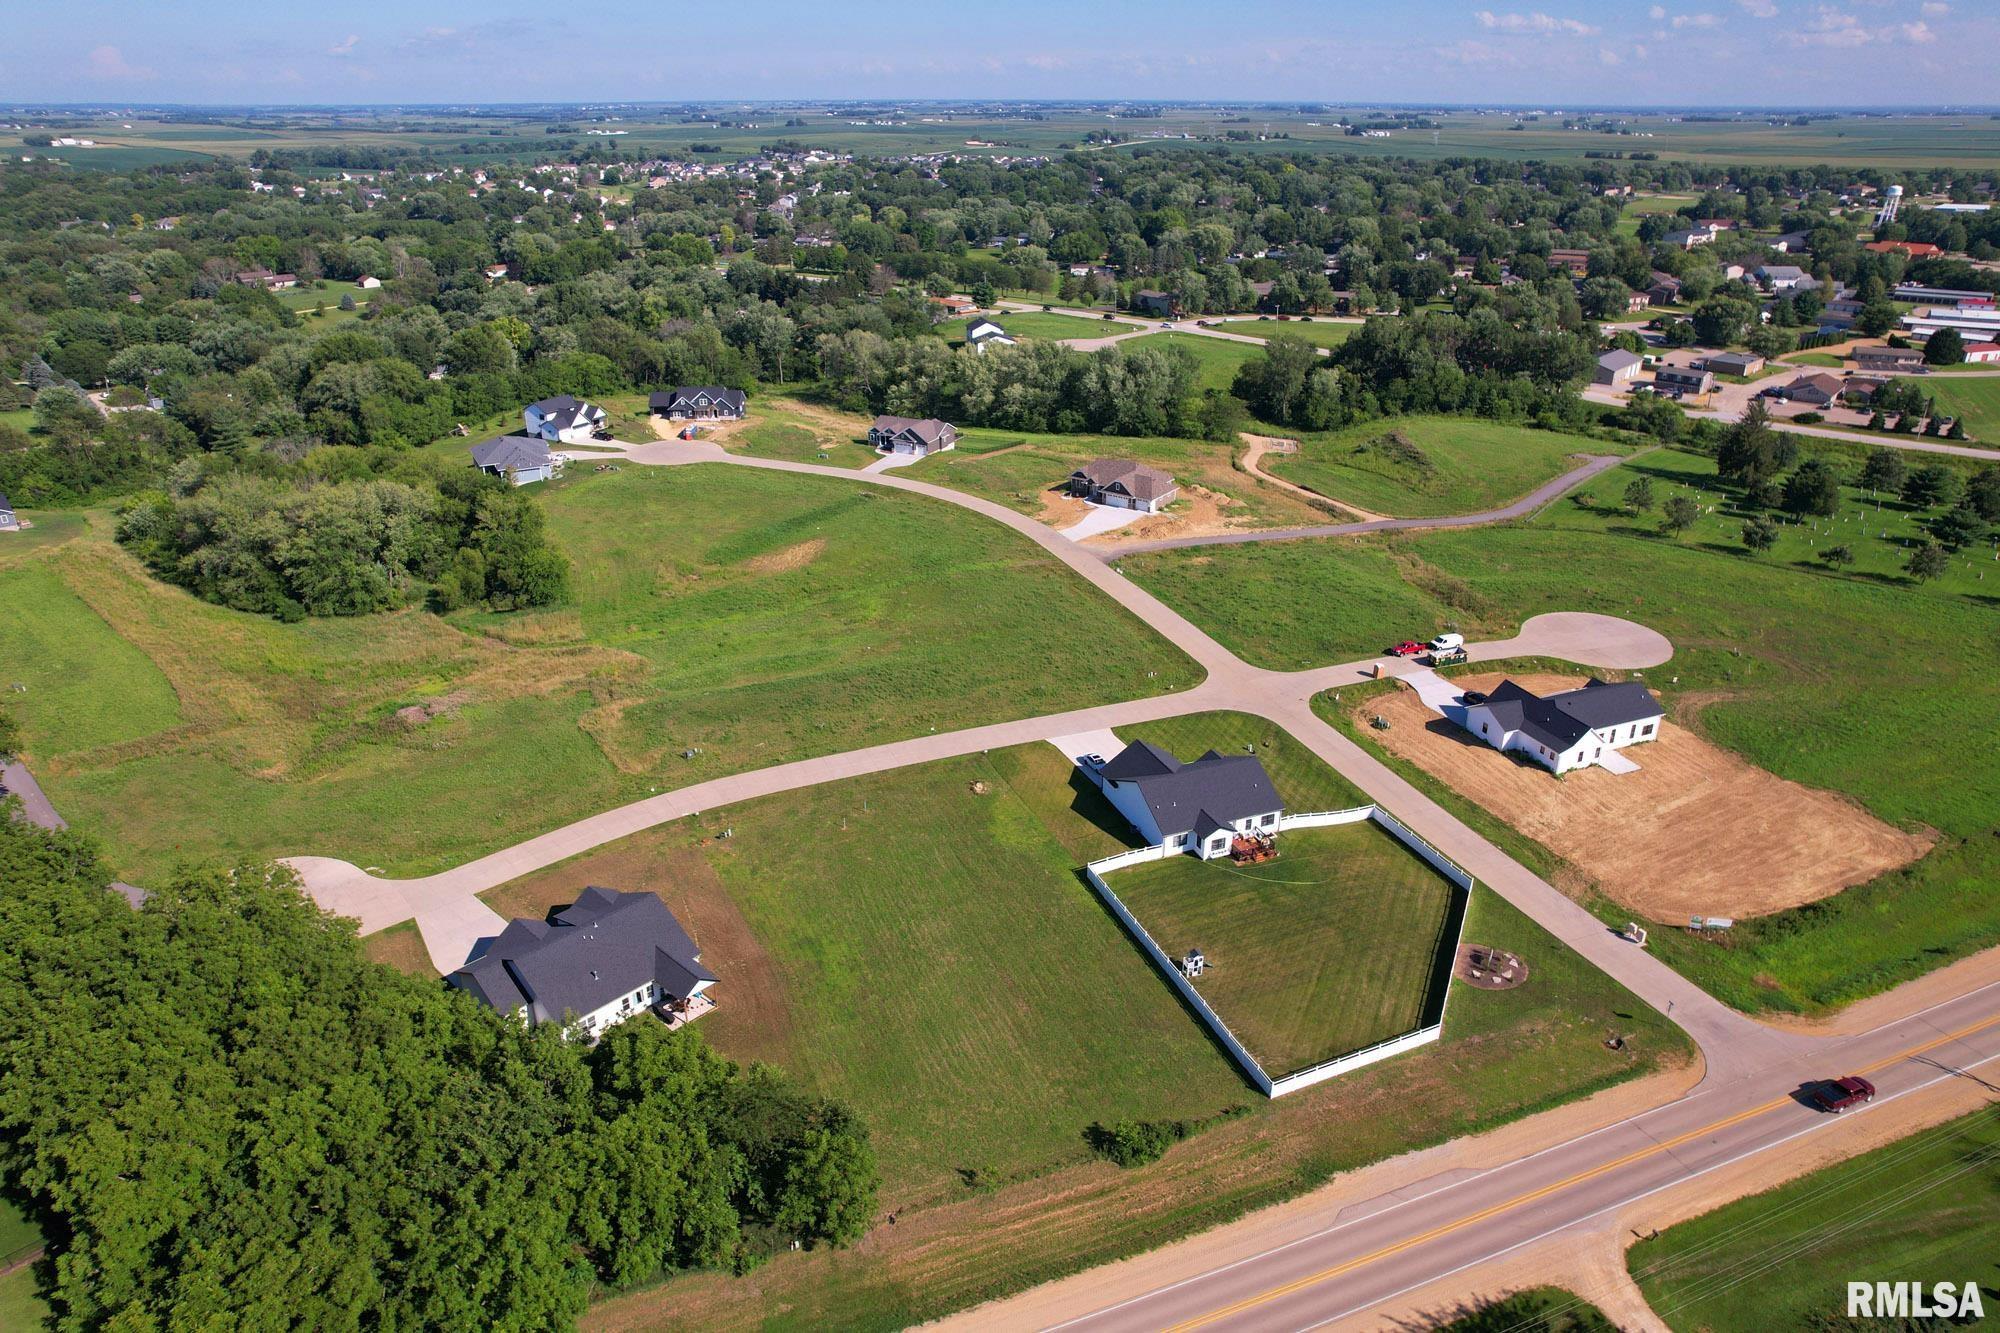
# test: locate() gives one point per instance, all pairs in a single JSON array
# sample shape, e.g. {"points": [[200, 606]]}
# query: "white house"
{"points": [[984, 331], [563, 418], [1565, 731], [907, 435], [1617, 368], [1124, 484], [367, 282], [519, 458], [605, 958], [1201, 807]]}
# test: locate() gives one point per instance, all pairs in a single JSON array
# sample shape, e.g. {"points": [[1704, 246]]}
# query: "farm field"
{"points": [[1421, 466], [1801, 670], [1026, 472], [1926, 1207], [175, 729], [1765, 845], [1217, 359], [926, 951], [1319, 332], [1039, 324], [1331, 948], [1976, 401]]}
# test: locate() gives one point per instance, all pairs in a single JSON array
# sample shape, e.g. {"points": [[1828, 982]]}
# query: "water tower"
{"points": [[1891, 197]]}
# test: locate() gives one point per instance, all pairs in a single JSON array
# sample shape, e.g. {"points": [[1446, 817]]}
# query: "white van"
{"points": [[1444, 643]]}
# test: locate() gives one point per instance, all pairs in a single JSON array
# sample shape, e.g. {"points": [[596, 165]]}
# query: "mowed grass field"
{"points": [[1421, 466], [1976, 401], [921, 944], [1216, 359], [1861, 682], [1038, 324], [1319, 332], [1926, 1208], [1331, 948], [743, 616]]}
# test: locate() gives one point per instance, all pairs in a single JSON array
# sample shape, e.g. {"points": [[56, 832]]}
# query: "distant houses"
{"points": [[263, 277], [1683, 381], [1567, 731], [9, 520], [607, 957], [1203, 807], [1890, 360], [1744, 364], [1124, 484], [698, 403], [563, 418], [1157, 304], [908, 435], [519, 458]]}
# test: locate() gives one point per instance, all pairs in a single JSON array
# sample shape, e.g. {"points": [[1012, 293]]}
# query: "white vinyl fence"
{"points": [[1319, 1073]]}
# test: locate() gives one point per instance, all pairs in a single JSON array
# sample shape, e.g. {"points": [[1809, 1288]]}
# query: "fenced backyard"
{"points": [[1329, 958]]}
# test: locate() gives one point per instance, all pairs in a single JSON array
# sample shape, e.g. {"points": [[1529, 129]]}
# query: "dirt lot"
{"points": [[1695, 830]]}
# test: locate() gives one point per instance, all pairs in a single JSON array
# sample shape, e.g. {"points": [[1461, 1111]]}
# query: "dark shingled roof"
{"points": [[1561, 720], [665, 400], [1136, 479], [604, 945], [1211, 792], [565, 410], [515, 451]]}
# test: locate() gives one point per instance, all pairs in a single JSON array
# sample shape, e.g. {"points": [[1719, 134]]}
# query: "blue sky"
{"points": [[1627, 52]]}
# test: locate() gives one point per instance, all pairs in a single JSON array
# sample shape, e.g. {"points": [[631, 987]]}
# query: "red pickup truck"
{"points": [[1842, 1093], [1409, 649]]}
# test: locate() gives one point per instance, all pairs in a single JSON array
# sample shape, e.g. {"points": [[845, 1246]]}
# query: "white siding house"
{"points": [[563, 418], [1199, 807], [1565, 731]]}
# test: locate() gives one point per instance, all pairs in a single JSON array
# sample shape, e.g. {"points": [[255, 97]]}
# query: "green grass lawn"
{"points": [[20, 1305], [1039, 324], [797, 442], [1021, 469], [920, 944], [1925, 1208], [324, 295], [1818, 359], [1217, 359], [1319, 332], [1419, 466], [1537, 1310], [20, 418], [750, 617], [1808, 672], [1974, 401], [1331, 948]]}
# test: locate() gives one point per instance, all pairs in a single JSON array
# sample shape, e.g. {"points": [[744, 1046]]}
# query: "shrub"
{"points": [[1135, 1142]]}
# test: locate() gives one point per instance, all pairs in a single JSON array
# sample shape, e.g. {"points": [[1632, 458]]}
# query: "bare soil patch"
{"points": [[791, 557], [1695, 830], [401, 947], [1203, 513]]}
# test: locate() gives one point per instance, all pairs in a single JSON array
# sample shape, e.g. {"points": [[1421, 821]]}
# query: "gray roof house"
{"points": [[1617, 366], [908, 435], [563, 417], [1124, 484], [8, 519], [1785, 277], [1199, 807], [697, 402], [1733, 363], [1575, 729], [519, 458], [604, 958]]}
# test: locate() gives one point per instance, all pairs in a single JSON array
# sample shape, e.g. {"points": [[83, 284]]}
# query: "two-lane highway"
{"points": [[1363, 1256]]}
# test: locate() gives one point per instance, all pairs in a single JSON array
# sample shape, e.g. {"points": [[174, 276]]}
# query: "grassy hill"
{"points": [[1420, 466]]}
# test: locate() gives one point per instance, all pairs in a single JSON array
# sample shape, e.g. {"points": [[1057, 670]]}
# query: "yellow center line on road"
{"points": [[1667, 1145]]}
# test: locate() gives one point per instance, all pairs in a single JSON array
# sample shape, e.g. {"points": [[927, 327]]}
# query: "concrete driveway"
{"points": [[1102, 518]]}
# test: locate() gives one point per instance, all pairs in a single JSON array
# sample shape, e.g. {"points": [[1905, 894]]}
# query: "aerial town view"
{"points": [[1107, 668]]}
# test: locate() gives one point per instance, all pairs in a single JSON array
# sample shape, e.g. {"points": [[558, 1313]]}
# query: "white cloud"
{"points": [[108, 62], [1657, 12], [1918, 32], [1936, 9], [1697, 21], [1760, 9], [1607, 56], [1537, 23], [345, 46], [1843, 30]]}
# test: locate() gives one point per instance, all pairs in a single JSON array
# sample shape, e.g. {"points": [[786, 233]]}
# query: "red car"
{"points": [[1842, 1093], [1409, 650]]}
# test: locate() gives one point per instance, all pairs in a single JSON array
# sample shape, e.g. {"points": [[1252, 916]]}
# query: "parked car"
{"points": [[1408, 648], [1107, 315], [1093, 761], [1473, 697], [1839, 1094], [1166, 323], [1445, 643]]}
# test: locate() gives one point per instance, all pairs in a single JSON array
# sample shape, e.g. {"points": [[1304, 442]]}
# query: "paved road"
{"points": [[36, 808], [1148, 325], [1731, 405], [1522, 507], [1336, 1262]]}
